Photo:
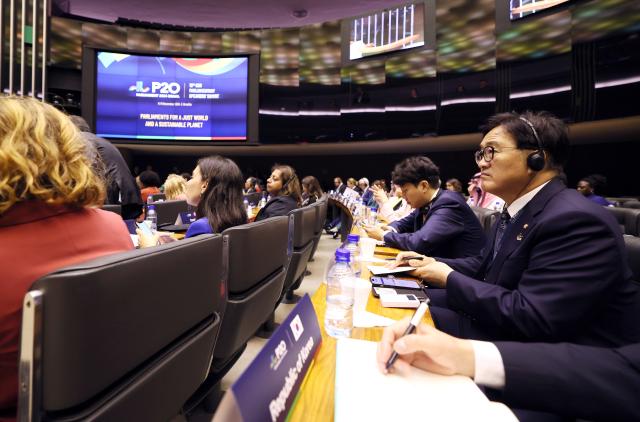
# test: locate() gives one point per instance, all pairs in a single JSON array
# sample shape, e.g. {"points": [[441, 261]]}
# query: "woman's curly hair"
{"points": [[43, 157]]}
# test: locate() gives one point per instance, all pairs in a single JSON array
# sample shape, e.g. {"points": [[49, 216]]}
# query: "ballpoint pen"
{"points": [[415, 320]]}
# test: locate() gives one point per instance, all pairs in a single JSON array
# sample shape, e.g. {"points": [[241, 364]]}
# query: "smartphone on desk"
{"points": [[404, 283], [144, 228]]}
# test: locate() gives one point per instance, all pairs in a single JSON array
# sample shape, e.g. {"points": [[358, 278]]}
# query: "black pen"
{"points": [[415, 320], [407, 258]]}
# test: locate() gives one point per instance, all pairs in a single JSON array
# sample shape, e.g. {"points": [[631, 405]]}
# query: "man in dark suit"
{"points": [[442, 224], [570, 380], [555, 266]]}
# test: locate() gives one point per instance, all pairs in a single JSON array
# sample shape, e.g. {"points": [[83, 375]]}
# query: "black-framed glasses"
{"points": [[487, 153]]}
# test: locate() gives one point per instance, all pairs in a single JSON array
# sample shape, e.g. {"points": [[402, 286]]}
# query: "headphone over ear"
{"points": [[535, 160]]}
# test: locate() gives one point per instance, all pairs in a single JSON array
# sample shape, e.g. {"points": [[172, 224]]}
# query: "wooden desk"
{"points": [[315, 400]]}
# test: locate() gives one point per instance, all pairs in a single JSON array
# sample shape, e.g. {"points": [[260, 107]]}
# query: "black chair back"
{"points": [[167, 211], [253, 197], [255, 257], [123, 337], [116, 208], [628, 219], [303, 223], [486, 217], [321, 215], [632, 244]]}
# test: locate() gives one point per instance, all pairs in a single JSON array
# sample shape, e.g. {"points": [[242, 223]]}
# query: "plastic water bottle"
{"points": [[247, 207], [338, 319], [373, 216], [152, 217], [263, 200], [354, 253]]}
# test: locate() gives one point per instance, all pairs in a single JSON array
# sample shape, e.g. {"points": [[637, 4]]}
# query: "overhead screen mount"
{"points": [[522, 8], [386, 31], [146, 97]]}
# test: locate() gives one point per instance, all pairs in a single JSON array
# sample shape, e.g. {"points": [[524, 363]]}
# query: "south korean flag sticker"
{"points": [[296, 327]]}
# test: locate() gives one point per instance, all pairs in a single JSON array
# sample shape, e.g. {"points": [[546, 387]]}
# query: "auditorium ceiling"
{"points": [[223, 13]]}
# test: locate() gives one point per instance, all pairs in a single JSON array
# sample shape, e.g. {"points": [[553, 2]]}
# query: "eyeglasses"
{"points": [[487, 153]]}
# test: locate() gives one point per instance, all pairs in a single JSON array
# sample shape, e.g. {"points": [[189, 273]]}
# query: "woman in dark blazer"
{"points": [[284, 190]]}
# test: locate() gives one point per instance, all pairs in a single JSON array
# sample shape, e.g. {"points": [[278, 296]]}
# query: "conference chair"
{"points": [[631, 204], [126, 337], [255, 259], [632, 244], [253, 198], [167, 211], [321, 215], [303, 224], [486, 217], [116, 208], [628, 219]]}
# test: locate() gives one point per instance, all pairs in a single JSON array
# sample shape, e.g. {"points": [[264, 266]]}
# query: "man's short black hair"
{"points": [[416, 169], [552, 132], [150, 178]]}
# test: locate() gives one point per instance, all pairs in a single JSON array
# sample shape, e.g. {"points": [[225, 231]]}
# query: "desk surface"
{"points": [[315, 400]]}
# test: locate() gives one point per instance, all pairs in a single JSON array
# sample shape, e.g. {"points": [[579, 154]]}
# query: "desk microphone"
{"points": [[415, 320]]}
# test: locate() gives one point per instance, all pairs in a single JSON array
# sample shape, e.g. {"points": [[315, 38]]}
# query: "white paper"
{"points": [[374, 259], [381, 269], [362, 392], [362, 317]]}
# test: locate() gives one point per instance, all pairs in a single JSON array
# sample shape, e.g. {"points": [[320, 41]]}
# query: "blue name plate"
{"points": [[267, 388], [186, 218]]}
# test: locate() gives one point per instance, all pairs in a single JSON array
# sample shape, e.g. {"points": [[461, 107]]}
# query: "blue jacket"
{"points": [[451, 229], [561, 274], [198, 227]]}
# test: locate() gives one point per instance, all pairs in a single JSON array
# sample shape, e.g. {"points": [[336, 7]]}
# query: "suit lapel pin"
{"points": [[520, 235]]}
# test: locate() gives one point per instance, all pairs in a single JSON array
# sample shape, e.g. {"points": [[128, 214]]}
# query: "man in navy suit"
{"points": [[570, 380], [555, 266], [442, 224]]}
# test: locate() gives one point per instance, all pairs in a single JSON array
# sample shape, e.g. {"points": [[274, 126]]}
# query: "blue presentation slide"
{"points": [[168, 98]]}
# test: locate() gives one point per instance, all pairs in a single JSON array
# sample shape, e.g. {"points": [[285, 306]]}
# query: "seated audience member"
{"points": [[120, 183], [480, 198], [454, 185], [391, 208], [588, 186], [367, 193], [250, 185], [174, 188], [353, 184], [311, 190], [215, 189], [149, 183], [573, 381], [284, 189], [441, 223], [555, 268], [340, 187], [49, 218]]}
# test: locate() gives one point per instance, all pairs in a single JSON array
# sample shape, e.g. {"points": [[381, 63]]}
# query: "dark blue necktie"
{"points": [[505, 219]]}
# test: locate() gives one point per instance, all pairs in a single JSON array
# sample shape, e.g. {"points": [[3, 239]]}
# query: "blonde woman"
{"points": [[174, 188], [49, 218]]}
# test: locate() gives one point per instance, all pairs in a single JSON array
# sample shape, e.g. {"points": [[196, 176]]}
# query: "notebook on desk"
{"points": [[364, 393]]}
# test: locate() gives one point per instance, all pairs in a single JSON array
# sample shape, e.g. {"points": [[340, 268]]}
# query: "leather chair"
{"points": [[487, 218], [631, 204], [302, 233], [255, 264], [167, 211], [321, 215], [126, 337], [116, 208], [628, 219], [632, 244]]}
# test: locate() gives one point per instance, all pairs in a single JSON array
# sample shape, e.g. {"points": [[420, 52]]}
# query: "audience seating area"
{"points": [[73, 365], [628, 219]]}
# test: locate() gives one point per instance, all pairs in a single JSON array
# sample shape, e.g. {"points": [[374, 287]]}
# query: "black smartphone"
{"points": [[395, 282]]}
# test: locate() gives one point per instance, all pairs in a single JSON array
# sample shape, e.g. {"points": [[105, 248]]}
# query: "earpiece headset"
{"points": [[535, 160]]}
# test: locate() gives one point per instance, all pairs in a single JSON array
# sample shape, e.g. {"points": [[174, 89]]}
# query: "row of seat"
{"points": [[142, 334], [625, 202]]}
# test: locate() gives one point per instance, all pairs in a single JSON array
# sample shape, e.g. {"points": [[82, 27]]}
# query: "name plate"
{"points": [[185, 218], [267, 388]]}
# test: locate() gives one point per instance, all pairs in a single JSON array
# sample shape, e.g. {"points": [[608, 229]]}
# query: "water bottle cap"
{"points": [[374, 209], [353, 238], [342, 255], [151, 207]]}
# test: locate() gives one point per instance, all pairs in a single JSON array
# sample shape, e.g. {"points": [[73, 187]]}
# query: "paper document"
{"points": [[381, 269], [362, 317], [362, 392]]}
